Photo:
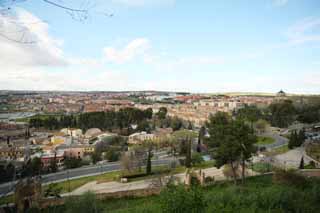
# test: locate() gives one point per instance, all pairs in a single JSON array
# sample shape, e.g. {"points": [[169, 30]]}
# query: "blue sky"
{"points": [[195, 46]]}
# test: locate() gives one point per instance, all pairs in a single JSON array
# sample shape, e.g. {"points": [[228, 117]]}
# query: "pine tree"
{"points": [[301, 137], [291, 141], [188, 154]]}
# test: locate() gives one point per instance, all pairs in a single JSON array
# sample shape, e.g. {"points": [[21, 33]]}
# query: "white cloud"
{"points": [[72, 79], [136, 48], [143, 3], [24, 27], [279, 3], [305, 30]]}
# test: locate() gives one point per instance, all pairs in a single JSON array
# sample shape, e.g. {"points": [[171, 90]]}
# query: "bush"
{"points": [[134, 175], [196, 158], [227, 171], [262, 167], [86, 203], [179, 199], [209, 180], [290, 178]]}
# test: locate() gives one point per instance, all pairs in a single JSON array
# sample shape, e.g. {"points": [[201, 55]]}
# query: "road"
{"points": [[79, 172], [279, 140]]}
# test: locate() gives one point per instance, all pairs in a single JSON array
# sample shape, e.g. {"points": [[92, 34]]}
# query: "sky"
{"points": [[168, 45]]}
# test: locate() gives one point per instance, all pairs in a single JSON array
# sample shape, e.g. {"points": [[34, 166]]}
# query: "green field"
{"points": [[265, 140]]}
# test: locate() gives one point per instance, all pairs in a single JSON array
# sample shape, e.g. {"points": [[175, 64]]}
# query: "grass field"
{"points": [[265, 140]]}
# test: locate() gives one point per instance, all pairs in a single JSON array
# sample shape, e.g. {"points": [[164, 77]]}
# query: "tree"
{"points": [[296, 139], [184, 139], [261, 125], [112, 154], [149, 163], [196, 158], [309, 113], [292, 140], [33, 167], [176, 123], [72, 162], [246, 139], [149, 146], [148, 113], [53, 167], [144, 126], [128, 161], [282, 113], [230, 141], [250, 113], [188, 153], [202, 133], [190, 127], [301, 166], [162, 113], [301, 137], [96, 157]]}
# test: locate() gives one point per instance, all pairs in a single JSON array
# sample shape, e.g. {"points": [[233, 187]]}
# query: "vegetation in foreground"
{"points": [[283, 192]]}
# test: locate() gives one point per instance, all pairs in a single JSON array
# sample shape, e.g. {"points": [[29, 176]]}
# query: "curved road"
{"points": [[78, 173]]}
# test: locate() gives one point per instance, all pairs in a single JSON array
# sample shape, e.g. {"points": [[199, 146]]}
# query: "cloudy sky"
{"points": [[176, 45]]}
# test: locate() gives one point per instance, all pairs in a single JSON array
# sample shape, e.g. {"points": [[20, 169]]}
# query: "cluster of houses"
{"points": [[48, 146], [66, 143]]}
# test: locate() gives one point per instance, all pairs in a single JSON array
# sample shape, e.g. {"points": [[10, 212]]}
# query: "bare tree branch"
{"points": [[79, 14], [64, 7]]}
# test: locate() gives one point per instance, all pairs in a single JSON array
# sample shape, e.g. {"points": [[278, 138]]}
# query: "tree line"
{"points": [[104, 120], [280, 113]]}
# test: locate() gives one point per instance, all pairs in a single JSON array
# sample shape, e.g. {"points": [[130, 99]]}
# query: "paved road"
{"points": [[79, 172], [279, 140]]}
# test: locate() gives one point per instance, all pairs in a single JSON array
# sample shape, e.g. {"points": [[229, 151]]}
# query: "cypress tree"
{"points": [[301, 166]]}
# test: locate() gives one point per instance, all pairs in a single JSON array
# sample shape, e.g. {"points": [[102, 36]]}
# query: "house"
{"points": [[72, 132], [139, 137], [11, 153], [48, 157]]}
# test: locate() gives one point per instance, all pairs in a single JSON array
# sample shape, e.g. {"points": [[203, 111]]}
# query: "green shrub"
{"points": [[290, 178], [196, 159], [262, 167], [179, 199], [86, 203], [209, 180]]}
